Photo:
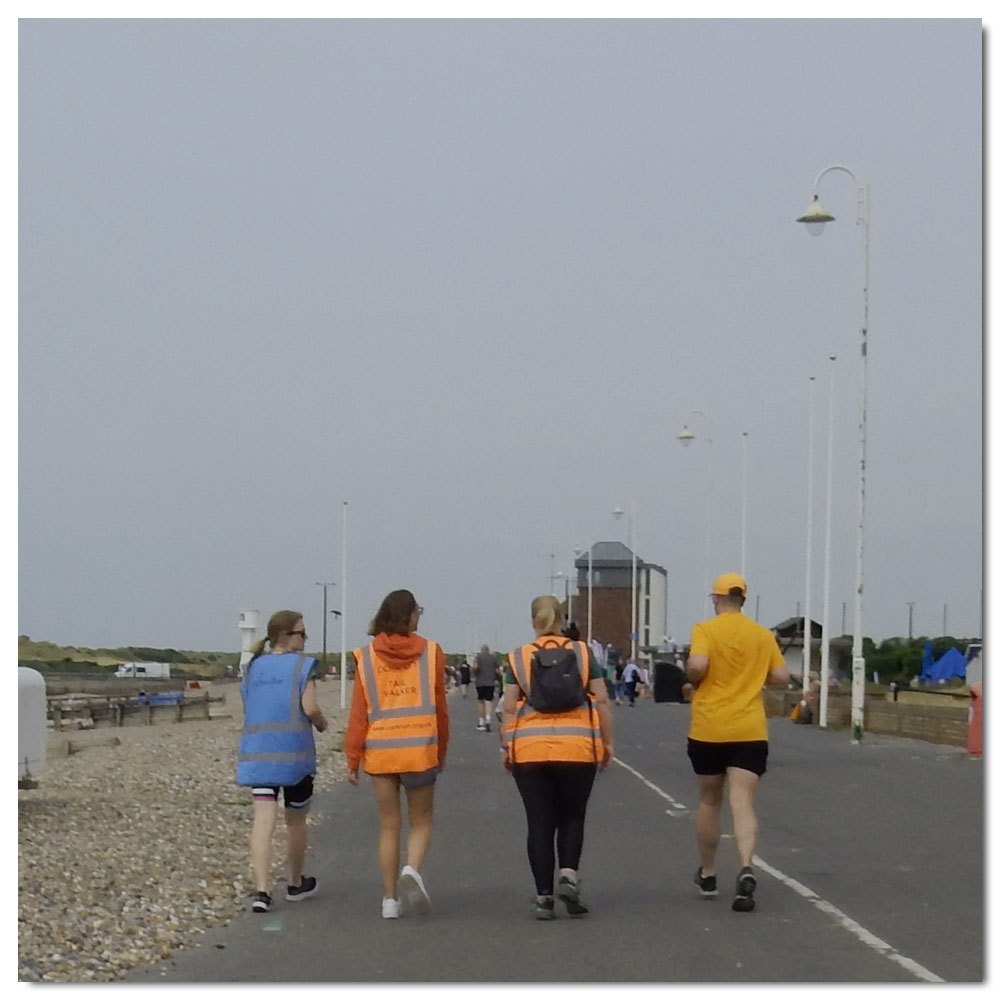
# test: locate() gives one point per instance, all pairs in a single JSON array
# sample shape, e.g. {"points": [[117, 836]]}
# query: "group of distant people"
{"points": [[556, 734]]}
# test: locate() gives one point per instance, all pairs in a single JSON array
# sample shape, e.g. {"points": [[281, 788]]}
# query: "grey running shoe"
{"points": [[569, 892], [544, 909], [746, 883], [706, 883], [306, 888]]}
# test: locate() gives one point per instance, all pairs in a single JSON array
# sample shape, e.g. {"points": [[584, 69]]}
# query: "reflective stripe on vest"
{"points": [[294, 724], [416, 748], [375, 710]]}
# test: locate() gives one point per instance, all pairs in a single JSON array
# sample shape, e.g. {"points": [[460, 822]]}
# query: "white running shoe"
{"points": [[390, 908], [411, 888]]}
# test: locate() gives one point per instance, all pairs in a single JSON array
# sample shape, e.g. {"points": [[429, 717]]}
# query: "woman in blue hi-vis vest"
{"points": [[277, 750]]}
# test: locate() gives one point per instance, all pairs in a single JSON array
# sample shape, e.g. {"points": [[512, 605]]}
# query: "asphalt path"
{"points": [[870, 870]]}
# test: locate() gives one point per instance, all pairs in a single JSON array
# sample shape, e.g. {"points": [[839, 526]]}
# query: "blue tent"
{"points": [[951, 664]]}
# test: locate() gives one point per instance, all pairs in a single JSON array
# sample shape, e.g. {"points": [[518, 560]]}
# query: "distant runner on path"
{"points": [[277, 751], [730, 661], [485, 670]]}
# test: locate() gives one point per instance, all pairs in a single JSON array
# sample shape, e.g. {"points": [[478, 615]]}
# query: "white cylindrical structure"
{"points": [[32, 709], [248, 622]]}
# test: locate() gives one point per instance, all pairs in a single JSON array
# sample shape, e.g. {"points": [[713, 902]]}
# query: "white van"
{"points": [[141, 671]]}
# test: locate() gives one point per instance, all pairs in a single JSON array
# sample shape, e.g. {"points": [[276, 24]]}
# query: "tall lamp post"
{"points": [[576, 579], [743, 516], [633, 628], [343, 610], [824, 649], [326, 615], [815, 219], [807, 617], [686, 437], [590, 593]]}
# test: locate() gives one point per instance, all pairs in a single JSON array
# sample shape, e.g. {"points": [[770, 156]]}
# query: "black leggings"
{"points": [[555, 798]]}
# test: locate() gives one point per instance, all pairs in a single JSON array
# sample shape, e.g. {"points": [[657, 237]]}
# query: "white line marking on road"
{"points": [[852, 926], [649, 784]]}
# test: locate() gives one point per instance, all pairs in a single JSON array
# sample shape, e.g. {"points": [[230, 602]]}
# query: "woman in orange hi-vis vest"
{"points": [[398, 730], [556, 734]]}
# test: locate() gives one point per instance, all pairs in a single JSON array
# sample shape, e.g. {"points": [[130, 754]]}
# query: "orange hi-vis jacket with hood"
{"points": [[399, 719], [533, 736]]}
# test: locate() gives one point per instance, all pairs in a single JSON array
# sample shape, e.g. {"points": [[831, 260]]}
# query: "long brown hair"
{"points": [[394, 613], [277, 625]]}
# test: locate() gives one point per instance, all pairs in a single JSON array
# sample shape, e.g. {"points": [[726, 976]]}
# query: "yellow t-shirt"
{"points": [[727, 705]]}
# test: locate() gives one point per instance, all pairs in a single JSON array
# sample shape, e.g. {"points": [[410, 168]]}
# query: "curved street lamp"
{"points": [[815, 220]]}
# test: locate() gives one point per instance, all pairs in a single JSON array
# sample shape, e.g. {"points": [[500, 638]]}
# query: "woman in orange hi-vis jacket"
{"points": [[554, 748], [398, 731]]}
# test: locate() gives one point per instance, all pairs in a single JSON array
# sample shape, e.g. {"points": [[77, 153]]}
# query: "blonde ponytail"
{"points": [[546, 614]]}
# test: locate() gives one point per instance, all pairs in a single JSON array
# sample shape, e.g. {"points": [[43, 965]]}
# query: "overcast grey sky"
{"points": [[471, 276]]}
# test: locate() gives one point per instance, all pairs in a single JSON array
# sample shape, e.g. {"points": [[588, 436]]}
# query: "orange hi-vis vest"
{"points": [[534, 736], [402, 713]]}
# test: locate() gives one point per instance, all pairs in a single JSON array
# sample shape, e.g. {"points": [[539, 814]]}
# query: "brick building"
{"points": [[611, 564]]}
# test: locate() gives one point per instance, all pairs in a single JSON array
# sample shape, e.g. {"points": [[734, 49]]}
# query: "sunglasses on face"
{"points": [[299, 631]]}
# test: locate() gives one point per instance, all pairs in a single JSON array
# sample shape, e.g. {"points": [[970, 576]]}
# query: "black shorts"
{"points": [[296, 796], [484, 693], [465, 673], [714, 758]]}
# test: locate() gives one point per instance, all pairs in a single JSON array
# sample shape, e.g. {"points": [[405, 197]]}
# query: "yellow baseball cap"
{"points": [[727, 582]]}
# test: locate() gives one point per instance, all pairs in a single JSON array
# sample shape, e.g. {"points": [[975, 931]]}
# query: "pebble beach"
{"points": [[129, 853]]}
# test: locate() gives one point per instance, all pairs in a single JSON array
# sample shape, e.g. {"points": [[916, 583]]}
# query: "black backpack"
{"points": [[556, 682]]}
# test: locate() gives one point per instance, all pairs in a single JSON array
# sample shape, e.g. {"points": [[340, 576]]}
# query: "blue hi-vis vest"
{"points": [[277, 746]]}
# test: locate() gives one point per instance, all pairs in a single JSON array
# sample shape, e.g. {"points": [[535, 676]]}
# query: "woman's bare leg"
{"points": [[389, 822]]}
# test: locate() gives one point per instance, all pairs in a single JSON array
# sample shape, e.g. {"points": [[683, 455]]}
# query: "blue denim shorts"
{"points": [[419, 779]]}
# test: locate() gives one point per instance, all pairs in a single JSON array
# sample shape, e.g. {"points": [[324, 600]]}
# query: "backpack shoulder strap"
{"points": [[521, 669], [581, 653]]}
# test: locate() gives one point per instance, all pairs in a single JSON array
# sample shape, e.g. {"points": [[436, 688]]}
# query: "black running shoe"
{"points": [[544, 909], [261, 902], [706, 883], [569, 892], [746, 883], [305, 889]]}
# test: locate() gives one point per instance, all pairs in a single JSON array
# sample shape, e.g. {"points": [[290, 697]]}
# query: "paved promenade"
{"points": [[870, 870]]}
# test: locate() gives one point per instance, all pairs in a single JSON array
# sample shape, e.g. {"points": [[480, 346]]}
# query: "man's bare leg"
{"points": [[706, 821]]}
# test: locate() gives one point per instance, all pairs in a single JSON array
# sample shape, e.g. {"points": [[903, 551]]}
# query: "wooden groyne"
{"points": [[90, 711]]}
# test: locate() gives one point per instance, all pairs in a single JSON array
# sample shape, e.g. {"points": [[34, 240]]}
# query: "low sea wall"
{"points": [[945, 722]]}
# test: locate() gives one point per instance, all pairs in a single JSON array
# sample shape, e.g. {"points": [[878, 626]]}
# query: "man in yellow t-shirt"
{"points": [[730, 661]]}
